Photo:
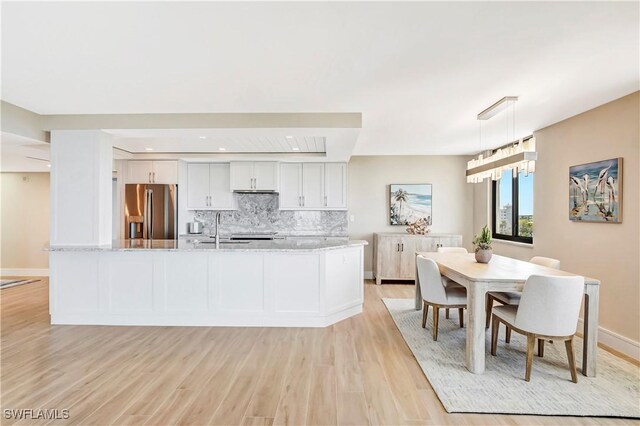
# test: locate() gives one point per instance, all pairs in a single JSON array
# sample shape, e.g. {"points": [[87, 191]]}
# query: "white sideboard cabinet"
{"points": [[394, 254]]}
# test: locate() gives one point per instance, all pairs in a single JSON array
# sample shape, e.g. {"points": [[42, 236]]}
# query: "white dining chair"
{"points": [[513, 297], [436, 295], [448, 281], [548, 310]]}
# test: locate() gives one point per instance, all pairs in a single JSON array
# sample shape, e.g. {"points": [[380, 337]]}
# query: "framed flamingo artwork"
{"points": [[409, 202], [595, 192]]}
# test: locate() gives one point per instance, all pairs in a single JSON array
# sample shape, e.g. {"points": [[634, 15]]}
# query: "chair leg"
{"points": [[572, 360], [489, 308], [461, 316], [436, 314], [540, 348], [494, 335], [531, 342], [507, 337], [425, 312], [446, 313]]}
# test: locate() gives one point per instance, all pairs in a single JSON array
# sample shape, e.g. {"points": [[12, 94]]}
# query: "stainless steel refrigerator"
{"points": [[151, 211]]}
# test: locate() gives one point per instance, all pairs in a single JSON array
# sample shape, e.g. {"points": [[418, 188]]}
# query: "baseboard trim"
{"points": [[24, 272], [616, 341], [368, 275]]}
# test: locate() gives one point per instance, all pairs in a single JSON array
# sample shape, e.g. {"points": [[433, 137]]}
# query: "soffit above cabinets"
{"points": [[236, 144], [190, 142]]}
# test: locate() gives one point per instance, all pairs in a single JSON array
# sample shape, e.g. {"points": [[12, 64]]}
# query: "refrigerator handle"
{"points": [[145, 214], [151, 212]]}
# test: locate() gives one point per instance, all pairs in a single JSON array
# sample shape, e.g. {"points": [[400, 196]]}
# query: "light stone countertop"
{"points": [[196, 244]]}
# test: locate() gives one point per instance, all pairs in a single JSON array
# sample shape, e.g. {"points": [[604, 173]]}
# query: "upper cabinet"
{"points": [[208, 187], [313, 186], [145, 171], [335, 185], [254, 176]]}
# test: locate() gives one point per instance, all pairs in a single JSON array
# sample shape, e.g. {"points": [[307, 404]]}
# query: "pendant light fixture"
{"points": [[519, 155]]}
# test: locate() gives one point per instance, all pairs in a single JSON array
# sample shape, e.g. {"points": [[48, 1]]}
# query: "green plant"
{"points": [[482, 241]]}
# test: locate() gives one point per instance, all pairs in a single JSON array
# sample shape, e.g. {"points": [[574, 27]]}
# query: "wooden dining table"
{"points": [[506, 274]]}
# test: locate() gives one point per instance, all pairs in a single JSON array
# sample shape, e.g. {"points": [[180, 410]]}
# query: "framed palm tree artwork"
{"points": [[409, 202]]}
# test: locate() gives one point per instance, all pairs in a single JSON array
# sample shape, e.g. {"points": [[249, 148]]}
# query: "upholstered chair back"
{"points": [[550, 305], [431, 281], [546, 261], [452, 250]]}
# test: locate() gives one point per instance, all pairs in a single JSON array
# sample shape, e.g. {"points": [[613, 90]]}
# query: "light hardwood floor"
{"points": [[356, 372]]}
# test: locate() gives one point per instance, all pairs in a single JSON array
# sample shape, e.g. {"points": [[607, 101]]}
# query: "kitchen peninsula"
{"points": [[288, 282]]}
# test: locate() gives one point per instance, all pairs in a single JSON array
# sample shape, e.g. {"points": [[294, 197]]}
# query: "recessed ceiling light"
{"points": [[48, 165], [148, 149], [296, 148], [222, 149], [203, 137]]}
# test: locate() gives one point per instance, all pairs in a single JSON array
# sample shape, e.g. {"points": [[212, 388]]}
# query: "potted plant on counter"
{"points": [[482, 243]]}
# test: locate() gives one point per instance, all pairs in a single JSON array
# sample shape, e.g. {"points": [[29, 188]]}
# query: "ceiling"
{"points": [[418, 71]]}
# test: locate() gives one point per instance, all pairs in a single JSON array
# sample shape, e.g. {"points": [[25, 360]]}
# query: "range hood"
{"points": [[255, 191]]}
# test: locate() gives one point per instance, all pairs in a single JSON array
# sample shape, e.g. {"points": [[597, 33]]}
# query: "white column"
{"points": [[81, 170]]}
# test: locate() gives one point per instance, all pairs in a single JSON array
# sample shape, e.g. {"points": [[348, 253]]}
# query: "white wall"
{"points": [[369, 180], [25, 223], [608, 252]]}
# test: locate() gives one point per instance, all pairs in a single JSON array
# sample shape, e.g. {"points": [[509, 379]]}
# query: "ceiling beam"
{"points": [[329, 120]]}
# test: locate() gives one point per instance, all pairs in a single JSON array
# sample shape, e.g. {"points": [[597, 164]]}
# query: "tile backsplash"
{"points": [[260, 213]]}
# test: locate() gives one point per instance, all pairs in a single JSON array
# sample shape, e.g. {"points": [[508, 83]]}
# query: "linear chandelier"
{"points": [[519, 155]]}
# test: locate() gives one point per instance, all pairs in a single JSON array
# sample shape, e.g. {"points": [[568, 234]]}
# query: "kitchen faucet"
{"points": [[217, 230]]}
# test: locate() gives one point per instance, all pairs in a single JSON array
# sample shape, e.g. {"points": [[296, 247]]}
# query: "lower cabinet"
{"points": [[305, 288], [395, 254]]}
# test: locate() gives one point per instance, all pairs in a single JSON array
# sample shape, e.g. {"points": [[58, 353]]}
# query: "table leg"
{"points": [[590, 335], [476, 293], [418, 292]]}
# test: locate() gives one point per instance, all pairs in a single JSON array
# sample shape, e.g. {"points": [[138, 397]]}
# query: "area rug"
{"points": [[614, 392], [13, 283]]}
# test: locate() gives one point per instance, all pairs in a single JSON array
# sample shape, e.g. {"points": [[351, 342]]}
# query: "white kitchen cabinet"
{"points": [[139, 171], [335, 185], [146, 171], [208, 187], [198, 186], [254, 175], [395, 254], [265, 176], [165, 172], [313, 186], [290, 185]]}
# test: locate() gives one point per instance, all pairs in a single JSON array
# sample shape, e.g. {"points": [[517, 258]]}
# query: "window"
{"points": [[513, 207]]}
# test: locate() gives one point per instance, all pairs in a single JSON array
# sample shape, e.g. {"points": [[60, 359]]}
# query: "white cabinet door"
{"points": [[220, 187], [140, 171], [335, 185], [313, 185], [265, 176], [428, 244], [408, 258], [165, 172], [389, 252], [198, 186], [241, 175], [290, 185]]}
